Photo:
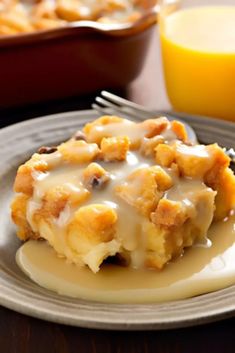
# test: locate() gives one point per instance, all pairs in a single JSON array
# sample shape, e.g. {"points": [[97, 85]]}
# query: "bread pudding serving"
{"points": [[137, 193]]}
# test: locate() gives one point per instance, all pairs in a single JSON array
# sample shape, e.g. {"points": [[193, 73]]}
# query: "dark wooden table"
{"points": [[23, 334]]}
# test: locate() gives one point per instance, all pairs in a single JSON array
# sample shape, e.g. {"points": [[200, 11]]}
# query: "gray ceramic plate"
{"points": [[19, 293]]}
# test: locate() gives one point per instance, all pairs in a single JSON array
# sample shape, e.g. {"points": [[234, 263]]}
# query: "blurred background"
{"points": [[52, 70]]}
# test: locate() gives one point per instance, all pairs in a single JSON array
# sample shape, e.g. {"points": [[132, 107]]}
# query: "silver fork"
{"points": [[110, 103], [116, 104]]}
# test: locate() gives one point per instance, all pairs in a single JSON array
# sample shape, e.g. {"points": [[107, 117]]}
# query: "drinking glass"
{"points": [[198, 55]]}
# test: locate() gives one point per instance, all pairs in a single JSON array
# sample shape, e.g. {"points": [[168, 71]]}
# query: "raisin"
{"points": [[47, 150], [98, 182]]}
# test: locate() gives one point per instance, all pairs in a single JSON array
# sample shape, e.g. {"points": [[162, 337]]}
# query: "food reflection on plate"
{"points": [[131, 212], [20, 16]]}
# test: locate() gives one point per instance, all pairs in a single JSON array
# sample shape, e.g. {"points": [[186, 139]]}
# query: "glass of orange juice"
{"points": [[198, 51]]}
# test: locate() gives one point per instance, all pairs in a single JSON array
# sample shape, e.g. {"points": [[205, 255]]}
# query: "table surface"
{"points": [[20, 333]]}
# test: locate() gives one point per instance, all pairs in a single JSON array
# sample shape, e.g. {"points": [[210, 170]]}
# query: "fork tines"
{"points": [[110, 103]]}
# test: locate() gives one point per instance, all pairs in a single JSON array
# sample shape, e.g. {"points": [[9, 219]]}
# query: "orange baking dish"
{"points": [[82, 57]]}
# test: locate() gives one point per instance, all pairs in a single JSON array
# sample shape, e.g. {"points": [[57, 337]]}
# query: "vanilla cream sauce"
{"points": [[202, 269]]}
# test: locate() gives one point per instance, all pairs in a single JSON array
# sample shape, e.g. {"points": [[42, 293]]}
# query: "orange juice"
{"points": [[198, 48]]}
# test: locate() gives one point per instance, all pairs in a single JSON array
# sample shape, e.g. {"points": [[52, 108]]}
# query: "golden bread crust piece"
{"points": [[144, 188], [94, 222], [91, 132], [169, 213], [24, 177], [225, 198], [193, 161], [153, 127], [77, 152], [164, 155], [179, 129], [18, 214], [114, 148]]}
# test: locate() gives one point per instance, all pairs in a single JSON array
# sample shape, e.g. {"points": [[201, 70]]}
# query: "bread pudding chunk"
{"points": [[23, 16], [137, 192]]}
